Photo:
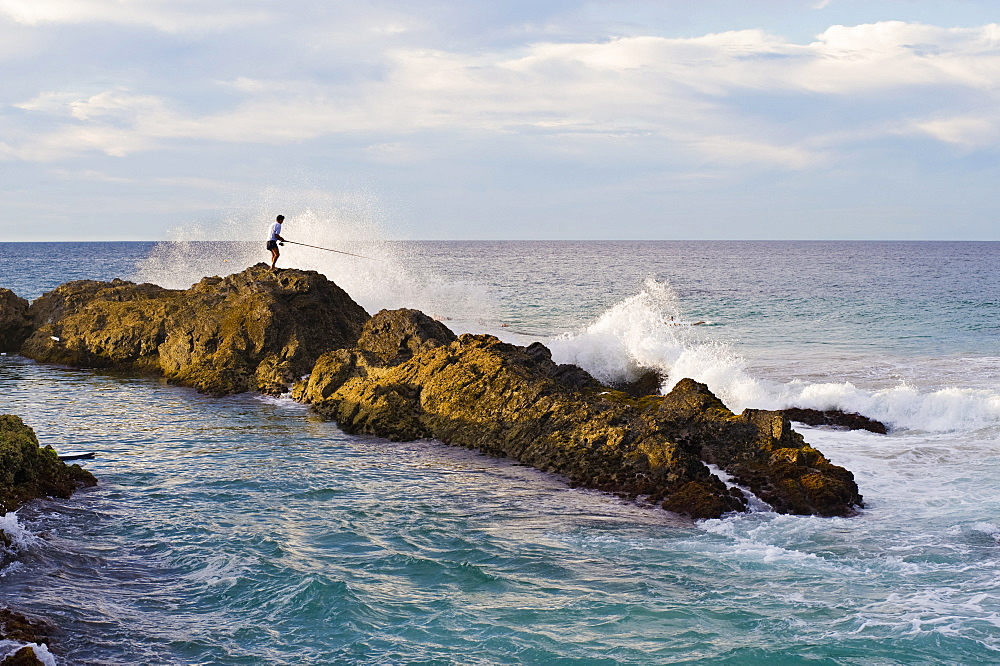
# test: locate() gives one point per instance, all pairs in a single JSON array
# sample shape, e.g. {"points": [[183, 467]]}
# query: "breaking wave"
{"points": [[649, 331]]}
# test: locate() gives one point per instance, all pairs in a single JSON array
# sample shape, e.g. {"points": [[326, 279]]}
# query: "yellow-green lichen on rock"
{"points": [[254, 330], [478, 392], [28, 471]]}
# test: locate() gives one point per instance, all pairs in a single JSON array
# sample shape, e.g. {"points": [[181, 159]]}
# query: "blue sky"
{"points": [[769, 119]]}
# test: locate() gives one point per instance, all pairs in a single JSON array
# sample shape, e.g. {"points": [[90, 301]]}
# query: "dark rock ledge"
{"points": [[404, 376], [835, 418]]}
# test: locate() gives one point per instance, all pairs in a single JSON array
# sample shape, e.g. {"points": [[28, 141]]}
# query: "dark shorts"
{"points": [[272, 245]]}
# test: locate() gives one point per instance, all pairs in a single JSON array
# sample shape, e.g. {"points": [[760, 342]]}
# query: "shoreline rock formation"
{"points": [[478, 392], [835, 418], [15, 323], [405, 376], [256, 330], [23, 632], [28, 471]]}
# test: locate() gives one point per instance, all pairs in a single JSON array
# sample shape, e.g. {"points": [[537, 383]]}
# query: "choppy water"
{"points": [[243, 531]]}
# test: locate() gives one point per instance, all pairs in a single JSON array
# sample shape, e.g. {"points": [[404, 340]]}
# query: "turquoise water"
{"points": [[243, 531]]}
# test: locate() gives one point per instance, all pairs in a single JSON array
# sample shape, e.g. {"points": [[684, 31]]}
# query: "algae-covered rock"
{"points": [[761, 452], [254, 330], [395, 336], [28, 471], [481, 393], [15, 323], [16, 626]]}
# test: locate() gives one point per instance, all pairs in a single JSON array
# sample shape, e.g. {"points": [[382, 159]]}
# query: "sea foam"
{"points": [[649, 331], [16, 535], [383, 275]]}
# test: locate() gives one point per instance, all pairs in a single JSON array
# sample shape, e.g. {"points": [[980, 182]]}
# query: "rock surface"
{"points": [[255, 330], [395, 336], [28, 471], [481, 393], [15, 324], [24, 657]]}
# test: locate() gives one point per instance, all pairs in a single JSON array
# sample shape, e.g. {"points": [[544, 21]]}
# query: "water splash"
{"points": [[648, 331], [389, 274]]}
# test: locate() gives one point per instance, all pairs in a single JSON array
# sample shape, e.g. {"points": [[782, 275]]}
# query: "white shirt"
{"points": [[275, 231]]}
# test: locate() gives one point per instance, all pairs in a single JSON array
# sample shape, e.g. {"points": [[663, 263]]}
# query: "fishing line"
{"points": [[331, 250]]}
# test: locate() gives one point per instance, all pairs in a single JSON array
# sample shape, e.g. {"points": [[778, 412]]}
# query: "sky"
{"points": [[502, 119]]}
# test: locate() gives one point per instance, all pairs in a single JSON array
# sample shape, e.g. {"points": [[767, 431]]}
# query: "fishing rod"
{"points": [[329, 250]]}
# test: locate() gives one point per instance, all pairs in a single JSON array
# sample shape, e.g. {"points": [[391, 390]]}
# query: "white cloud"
{"points": [[965, 131], [166, 15], [686, 91]]}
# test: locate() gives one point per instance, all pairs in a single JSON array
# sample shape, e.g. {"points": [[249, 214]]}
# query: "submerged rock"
{"points": [[480, 393], [255, 330], [15, 324], [835, 418], [28, 471]]}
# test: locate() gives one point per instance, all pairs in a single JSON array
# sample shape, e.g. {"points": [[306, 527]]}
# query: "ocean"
{"points": [[243, 530]]}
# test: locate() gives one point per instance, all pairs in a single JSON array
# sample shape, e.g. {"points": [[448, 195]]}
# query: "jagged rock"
{"points": [[24, 657], [395, 336], [481, 393], [255, 330], [28, 471], [761, 452], [15, 324], [18, 627], [835, 418]]}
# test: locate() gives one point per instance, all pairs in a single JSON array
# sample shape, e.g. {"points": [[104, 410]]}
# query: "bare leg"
{"points": [[274, 257]]}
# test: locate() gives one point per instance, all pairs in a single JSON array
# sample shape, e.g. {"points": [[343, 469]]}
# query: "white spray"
{"points": [[648, 331], [387, 276]]}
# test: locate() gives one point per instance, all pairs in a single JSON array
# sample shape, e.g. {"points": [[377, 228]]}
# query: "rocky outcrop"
{"points": [[255, 330], [28, 471], [647, 383], [395, 336], [834, 418], [15, 324], [481, 393], [404, 376]]}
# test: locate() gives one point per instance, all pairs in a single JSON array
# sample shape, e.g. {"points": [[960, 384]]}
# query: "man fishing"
{"points": [[273, 238]]}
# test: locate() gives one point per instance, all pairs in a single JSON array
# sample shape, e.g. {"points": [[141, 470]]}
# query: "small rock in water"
{"points": [[835, 418]]}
